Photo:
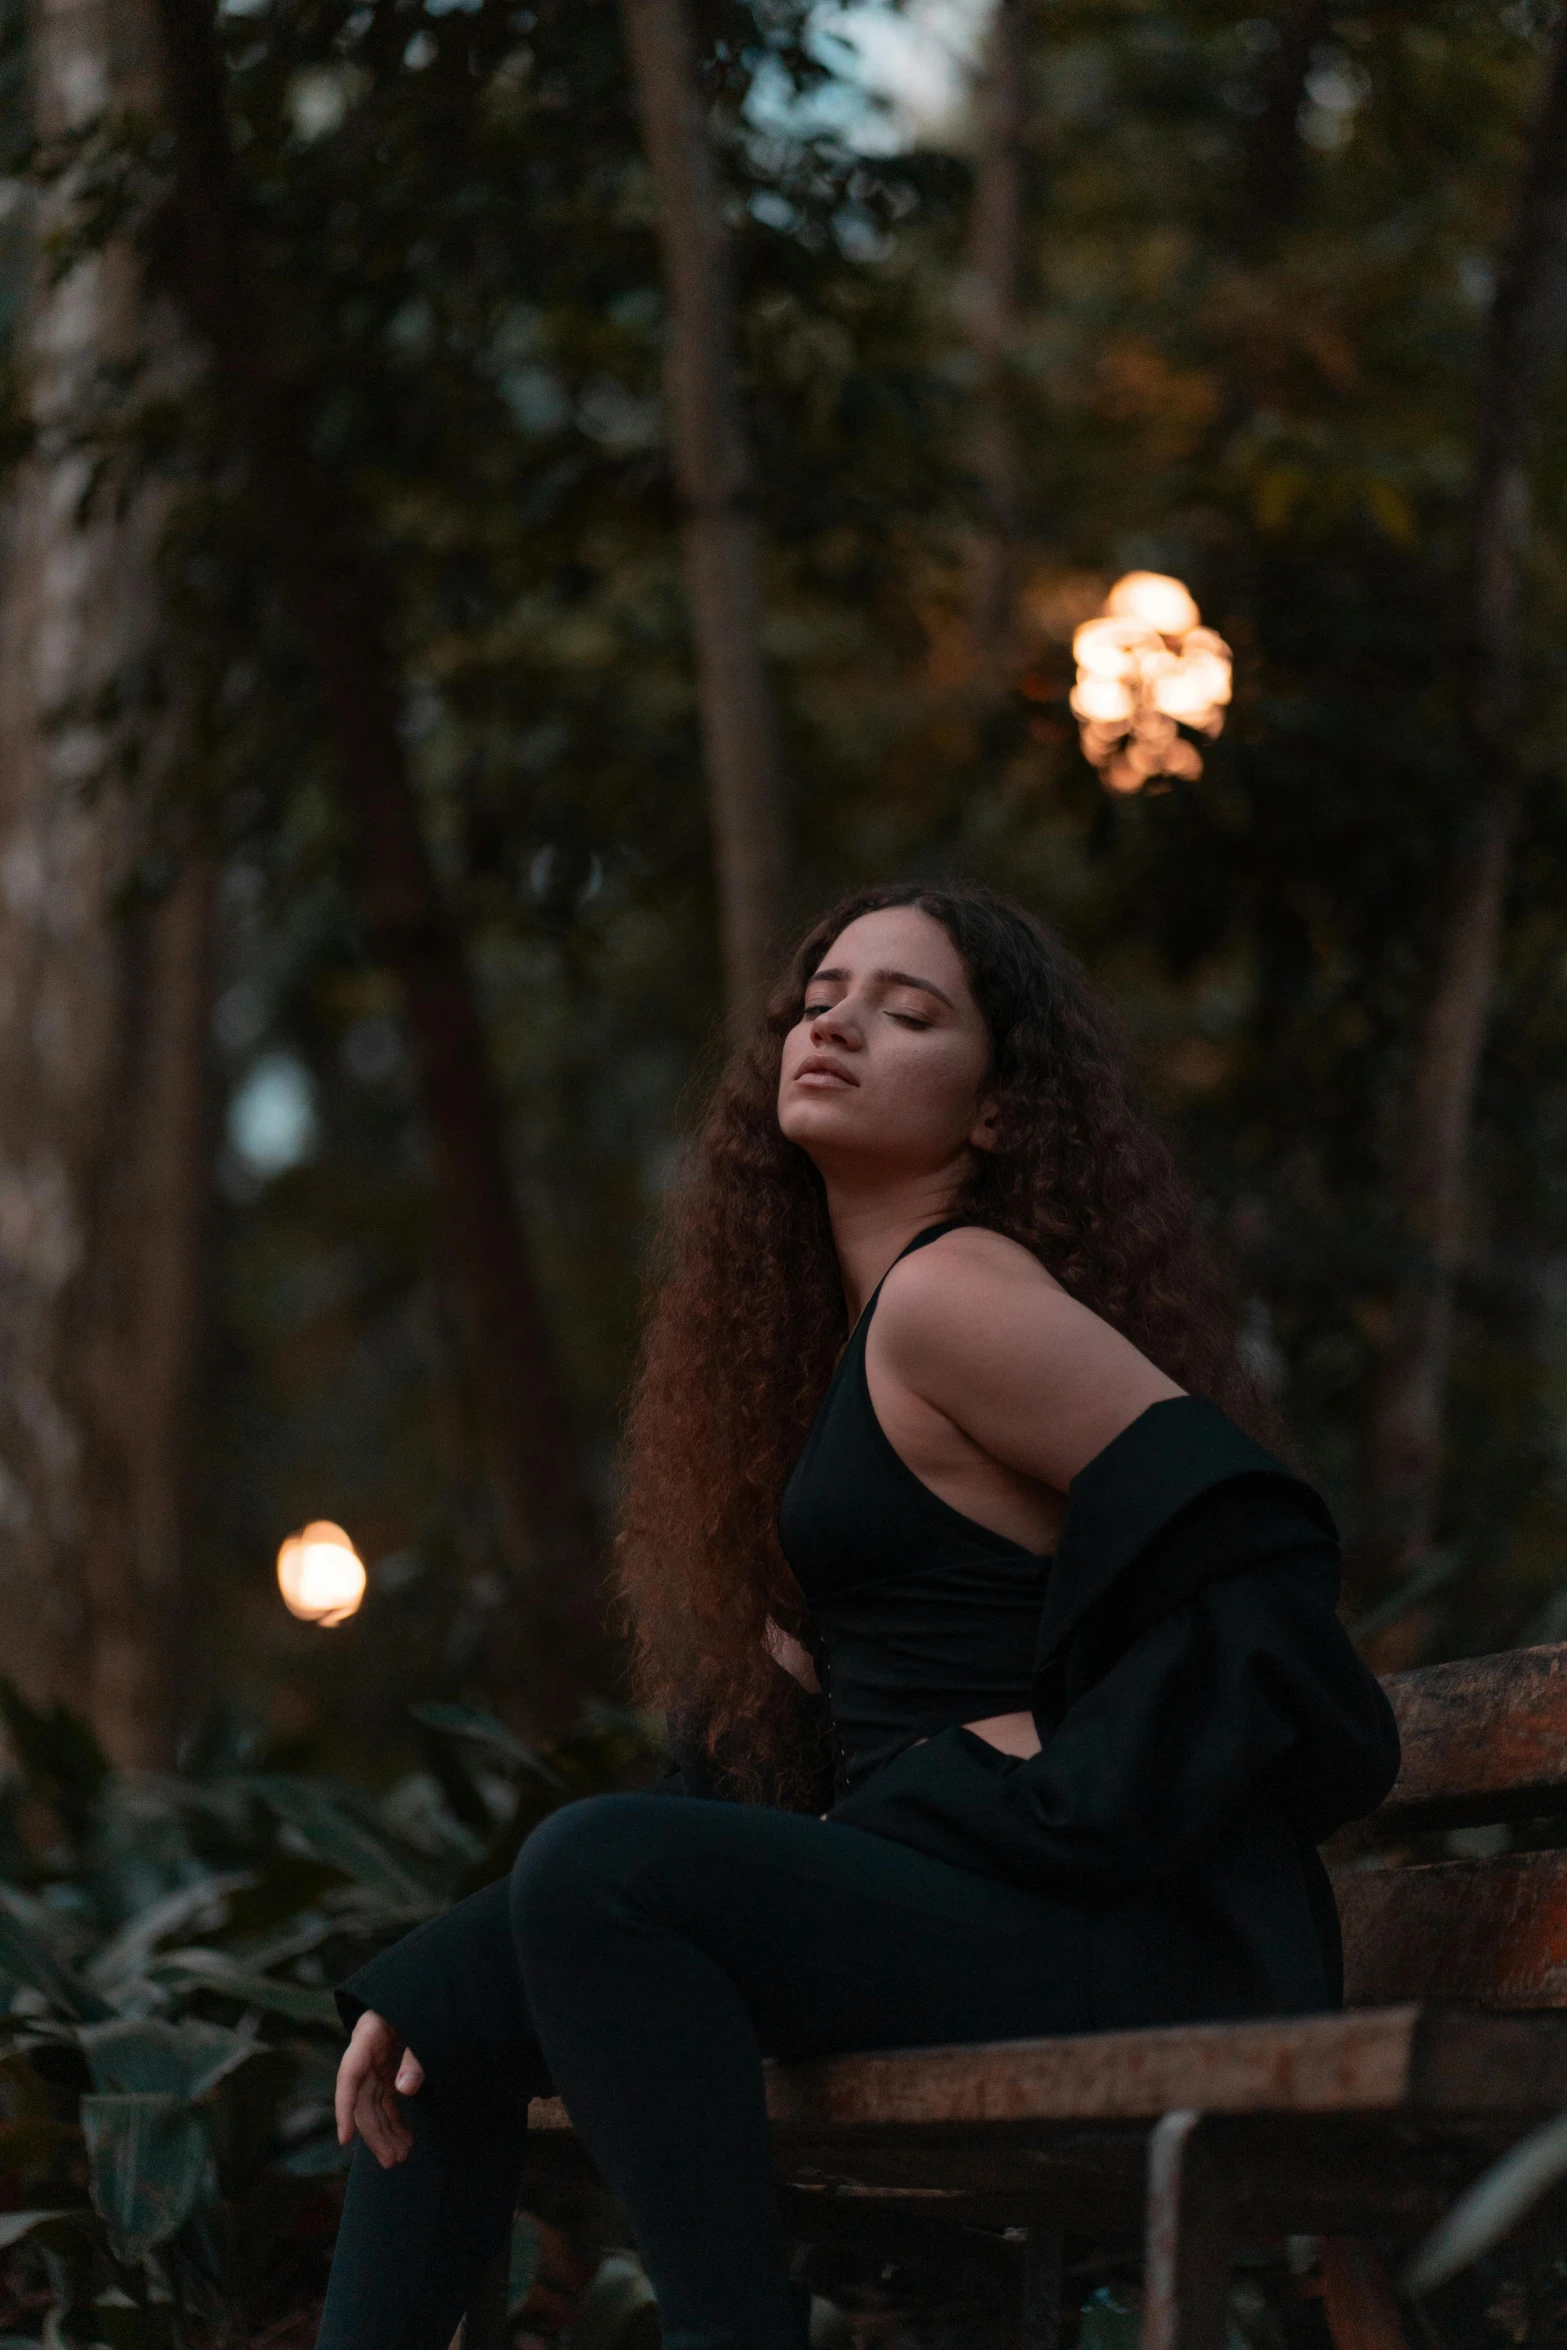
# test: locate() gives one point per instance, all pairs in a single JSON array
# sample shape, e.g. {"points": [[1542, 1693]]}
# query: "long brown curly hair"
{"points": [[748, 1312]]}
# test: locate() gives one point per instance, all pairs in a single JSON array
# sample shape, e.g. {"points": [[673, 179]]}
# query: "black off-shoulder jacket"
{"points": [[1204, 1723]]}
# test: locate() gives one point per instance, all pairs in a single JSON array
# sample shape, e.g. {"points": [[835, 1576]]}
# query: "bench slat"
{"points": [[1490, 1932], [1484, 1739], [1387, 2060]]}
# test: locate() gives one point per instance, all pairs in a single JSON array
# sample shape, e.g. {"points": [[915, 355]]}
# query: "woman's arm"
{"points": [[975, 1330]]}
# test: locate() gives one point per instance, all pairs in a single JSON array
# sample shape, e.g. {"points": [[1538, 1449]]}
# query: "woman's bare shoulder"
{"points": [[969, 1261], [961, 1293], [975, 1325]]}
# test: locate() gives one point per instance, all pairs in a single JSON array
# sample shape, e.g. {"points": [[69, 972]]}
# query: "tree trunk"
{"points": [[531, 1445], [716, 487], [992, 295], [103, 993], [145, 1323], [1404, 1447]]}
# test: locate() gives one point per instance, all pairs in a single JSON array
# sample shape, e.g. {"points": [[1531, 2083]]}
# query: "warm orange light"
{"points": [[1145, 667], [1159, 602], [320, 1574], [1103, 698]]}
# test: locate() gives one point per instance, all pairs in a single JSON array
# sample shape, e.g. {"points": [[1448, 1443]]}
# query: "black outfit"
{"points": [[1204, 1723], [920, 1617]]}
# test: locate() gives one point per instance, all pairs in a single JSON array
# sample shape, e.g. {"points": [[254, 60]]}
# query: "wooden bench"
{"points": [[1205, 2135]]}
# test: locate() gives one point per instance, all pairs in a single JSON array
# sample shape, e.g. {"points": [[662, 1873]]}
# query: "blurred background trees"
{"points": [[367, 908]]}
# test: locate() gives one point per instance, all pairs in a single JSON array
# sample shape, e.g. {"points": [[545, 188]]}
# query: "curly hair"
{"points": [[748, 1313]]}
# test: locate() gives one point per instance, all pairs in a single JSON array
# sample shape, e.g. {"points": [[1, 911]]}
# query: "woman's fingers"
{"points": [[366, 2098], [380, 2123], [352, 2072]]}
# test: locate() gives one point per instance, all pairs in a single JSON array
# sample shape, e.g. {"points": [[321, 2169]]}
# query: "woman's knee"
{"points": [[576, 1866]]}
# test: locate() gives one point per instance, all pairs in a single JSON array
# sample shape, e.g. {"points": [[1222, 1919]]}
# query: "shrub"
{"points": [[168, 2036]]}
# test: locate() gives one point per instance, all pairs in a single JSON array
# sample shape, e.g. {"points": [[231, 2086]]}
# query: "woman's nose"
{"points": [[837, 1021]]}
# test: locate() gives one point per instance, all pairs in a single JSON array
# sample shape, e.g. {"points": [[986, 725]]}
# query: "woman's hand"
{"points": [[375, 2070]]}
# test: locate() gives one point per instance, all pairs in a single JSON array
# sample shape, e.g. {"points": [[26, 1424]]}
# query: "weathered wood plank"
{"points": [[1484, 1739], [1386, 2059], [1313, 2064], [1492, 1933], [1316, 2064]]}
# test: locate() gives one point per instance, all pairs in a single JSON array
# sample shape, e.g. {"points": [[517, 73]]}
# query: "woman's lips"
{"points": [[823, 1073]]}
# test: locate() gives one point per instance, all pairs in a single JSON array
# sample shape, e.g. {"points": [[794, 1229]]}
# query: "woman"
{"points": [[946, 1546]]}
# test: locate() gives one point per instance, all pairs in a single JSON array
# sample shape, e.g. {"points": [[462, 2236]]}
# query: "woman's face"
{"points": [[884, 1072]]}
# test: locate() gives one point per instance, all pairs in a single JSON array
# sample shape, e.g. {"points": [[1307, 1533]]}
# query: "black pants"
{"points": [[644, 1957]]}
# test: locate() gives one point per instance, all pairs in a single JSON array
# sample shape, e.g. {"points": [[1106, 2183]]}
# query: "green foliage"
{"points": [[168, 2039]]}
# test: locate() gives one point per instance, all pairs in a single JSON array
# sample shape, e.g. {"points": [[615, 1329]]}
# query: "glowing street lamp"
{"points": [[320, 1574], [1146, 668]]}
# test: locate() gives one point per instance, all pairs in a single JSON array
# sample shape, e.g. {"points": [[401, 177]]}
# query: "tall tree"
{"points": [[342, 605], [1404, 1449], [104, 926], [716, 485]]}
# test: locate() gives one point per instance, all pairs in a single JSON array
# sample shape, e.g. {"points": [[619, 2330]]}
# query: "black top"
{"points": [[1204, 1720], [919, 1616]]}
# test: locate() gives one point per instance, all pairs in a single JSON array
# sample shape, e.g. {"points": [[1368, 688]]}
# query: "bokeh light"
{"points": [[1146, 667], [320, 1574]]}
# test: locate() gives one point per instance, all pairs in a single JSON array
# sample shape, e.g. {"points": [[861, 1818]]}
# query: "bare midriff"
{"points": [[1012, 1733]]}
